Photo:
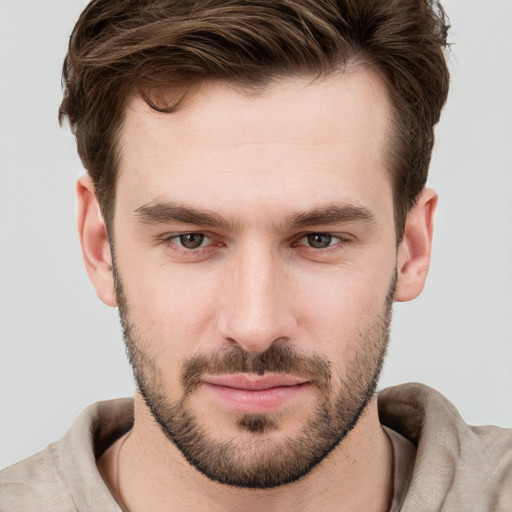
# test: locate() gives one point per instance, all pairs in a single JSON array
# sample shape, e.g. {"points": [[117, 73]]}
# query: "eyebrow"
{"points": [[333, 214], [169, 212], [165, 213]]}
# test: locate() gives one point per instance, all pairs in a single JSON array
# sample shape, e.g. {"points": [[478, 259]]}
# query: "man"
{"points": [[254, 204]]}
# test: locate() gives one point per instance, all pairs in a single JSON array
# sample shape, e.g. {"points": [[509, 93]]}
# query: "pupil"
{"points": [[192, 240], [319, 241]]}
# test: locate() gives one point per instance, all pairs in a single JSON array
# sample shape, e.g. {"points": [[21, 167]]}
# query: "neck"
{"points": [[145, 471]]}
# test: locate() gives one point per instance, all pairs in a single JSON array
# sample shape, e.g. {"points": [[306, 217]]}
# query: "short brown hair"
{"points": [[122, 47]]}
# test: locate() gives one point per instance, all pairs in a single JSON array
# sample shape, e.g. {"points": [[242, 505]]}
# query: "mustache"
{"points": [[276, 359]]}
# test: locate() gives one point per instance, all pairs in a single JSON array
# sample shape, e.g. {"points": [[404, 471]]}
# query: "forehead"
{"points": [[297, 134], [304, 101]]}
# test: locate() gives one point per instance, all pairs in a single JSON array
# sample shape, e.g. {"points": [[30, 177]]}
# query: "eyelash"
{"points": [[173, 239], [338, 238]]}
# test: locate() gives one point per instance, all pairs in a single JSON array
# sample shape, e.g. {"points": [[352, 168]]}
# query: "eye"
{"points": [[190, 240], [319, 240]]}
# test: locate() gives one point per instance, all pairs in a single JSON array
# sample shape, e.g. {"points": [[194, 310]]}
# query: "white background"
{"points": [[60, 347]]}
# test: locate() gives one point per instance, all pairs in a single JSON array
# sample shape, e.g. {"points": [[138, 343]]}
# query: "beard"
{"points": [[261, 462]]}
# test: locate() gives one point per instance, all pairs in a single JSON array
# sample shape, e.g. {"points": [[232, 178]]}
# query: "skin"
{"points": [[256, 160]]}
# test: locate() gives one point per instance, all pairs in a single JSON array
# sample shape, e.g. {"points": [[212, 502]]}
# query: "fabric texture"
{"points": [[404, 456], [457, 467]]}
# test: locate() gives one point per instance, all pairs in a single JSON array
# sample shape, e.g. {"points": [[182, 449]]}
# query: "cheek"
{"points": [[338, 310], [172, 307], [344, 294]]}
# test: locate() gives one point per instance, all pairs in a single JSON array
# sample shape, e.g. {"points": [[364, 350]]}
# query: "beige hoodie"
{"points": [[458, 467]]}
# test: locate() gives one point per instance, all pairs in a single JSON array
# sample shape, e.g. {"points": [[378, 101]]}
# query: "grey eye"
{"points": [[192, 240], [319, 240]]}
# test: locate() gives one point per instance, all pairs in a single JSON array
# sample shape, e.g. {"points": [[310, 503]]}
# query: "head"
{"points": [[254, 167], [163, 49]]}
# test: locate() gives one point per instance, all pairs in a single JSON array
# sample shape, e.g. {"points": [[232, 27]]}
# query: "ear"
{"points": [[414, 252], [94, 241]]}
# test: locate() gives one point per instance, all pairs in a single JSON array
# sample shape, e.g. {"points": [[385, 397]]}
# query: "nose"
{"points": [[257, 310]]}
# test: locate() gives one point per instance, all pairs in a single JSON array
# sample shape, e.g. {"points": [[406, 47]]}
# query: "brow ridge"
{"points": [[165, 213], [333, 214], [168, 212]]}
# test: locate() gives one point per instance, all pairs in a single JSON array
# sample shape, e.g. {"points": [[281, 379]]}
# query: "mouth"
{"points": [[250, 393]]}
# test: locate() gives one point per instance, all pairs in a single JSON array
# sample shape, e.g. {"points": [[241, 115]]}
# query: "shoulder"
{"points": [[37, 480], [458, 466], [64, 476]]}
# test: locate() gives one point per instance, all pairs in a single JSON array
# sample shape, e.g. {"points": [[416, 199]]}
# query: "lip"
{"points": [[253, 382], [249, 393]]}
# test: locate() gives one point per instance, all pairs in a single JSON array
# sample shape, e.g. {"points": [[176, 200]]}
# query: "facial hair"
{"points": [[262, 462]]}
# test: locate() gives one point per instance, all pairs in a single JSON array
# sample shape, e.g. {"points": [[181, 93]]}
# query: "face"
{"points": [[255, 260]]}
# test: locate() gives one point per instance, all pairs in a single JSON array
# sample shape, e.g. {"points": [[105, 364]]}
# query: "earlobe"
{"points": [[94, 241], [414, 252]]}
